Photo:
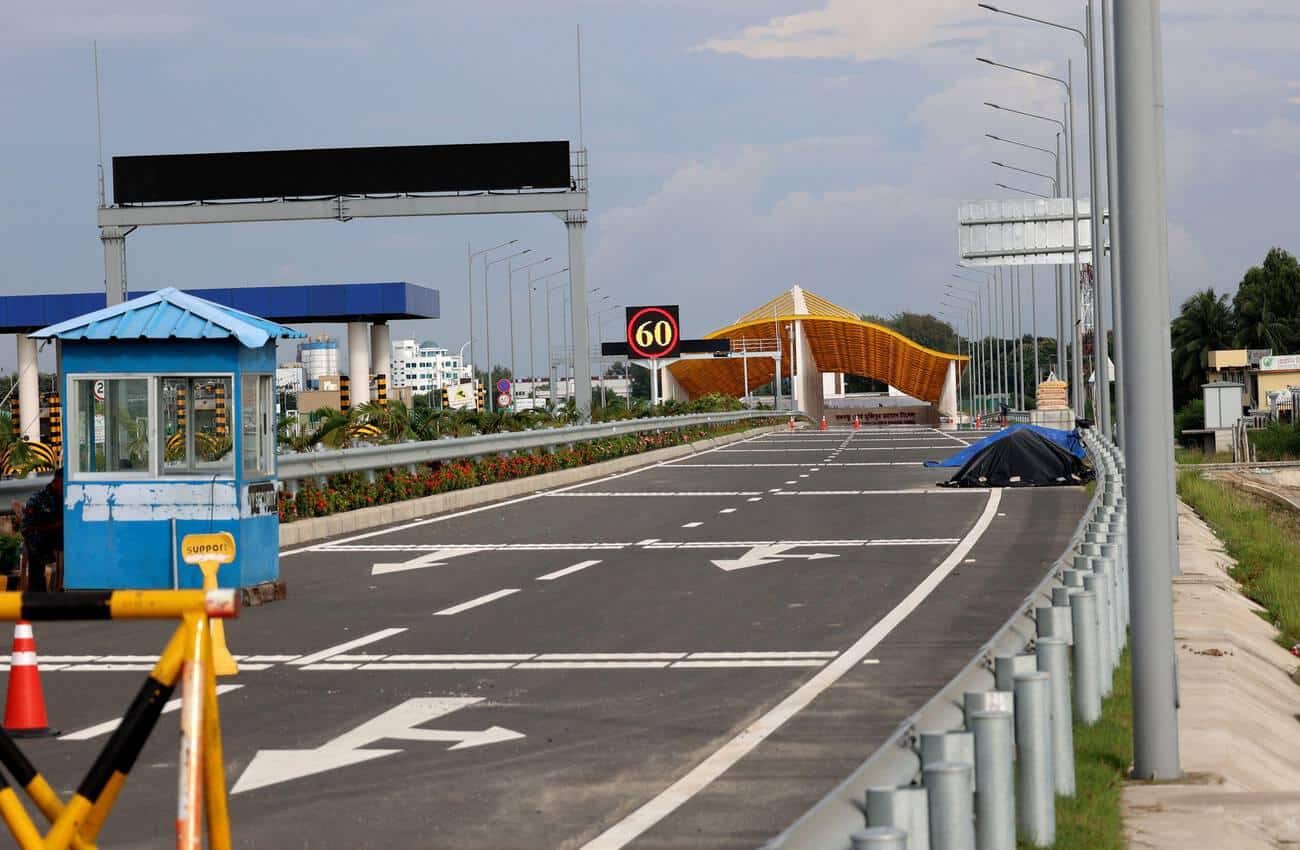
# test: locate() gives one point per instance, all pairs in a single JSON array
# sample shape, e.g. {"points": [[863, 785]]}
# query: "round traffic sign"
{"points": [[99, 390], [503, 400], [503, 385], [652, 332]]}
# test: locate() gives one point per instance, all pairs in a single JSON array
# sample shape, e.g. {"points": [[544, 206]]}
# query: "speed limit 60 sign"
{"points": [[653, 332]]}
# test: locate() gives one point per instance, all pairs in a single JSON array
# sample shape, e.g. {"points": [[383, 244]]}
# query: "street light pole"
{"points": [[1112, 196], [1100, 365], [510, 297], [489, 398], [1152, 555], [1077, 332], [470, 254]]}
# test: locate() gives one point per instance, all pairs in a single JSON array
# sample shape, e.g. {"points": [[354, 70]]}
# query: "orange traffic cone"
{"points": [[824, 422], [857, 426], [25, 701]]}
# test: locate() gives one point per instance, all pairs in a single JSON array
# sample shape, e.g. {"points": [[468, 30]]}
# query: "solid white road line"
{"points": [[344, 647], [720, 761], [756, 662], [815, 653], [581, 565], [476, 602], [495, 505], [651, 493], [108, 726]]}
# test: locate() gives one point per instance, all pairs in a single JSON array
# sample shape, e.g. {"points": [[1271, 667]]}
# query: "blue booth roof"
{"points": [[170, 314], [338, 302]]}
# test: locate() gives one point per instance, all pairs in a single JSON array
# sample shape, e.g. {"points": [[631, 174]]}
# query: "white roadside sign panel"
{"points": [[1022, 232]]}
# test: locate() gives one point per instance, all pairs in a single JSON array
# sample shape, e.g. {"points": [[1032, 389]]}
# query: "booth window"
{"points": [[197, 431], [258, 425], [112, 417]]}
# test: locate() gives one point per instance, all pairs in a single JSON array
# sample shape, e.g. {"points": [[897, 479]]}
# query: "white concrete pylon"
{"points": [[29, 389], [358, 363]]}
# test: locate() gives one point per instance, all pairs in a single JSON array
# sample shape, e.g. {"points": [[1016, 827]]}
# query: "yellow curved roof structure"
{"points": [[839, 340]]}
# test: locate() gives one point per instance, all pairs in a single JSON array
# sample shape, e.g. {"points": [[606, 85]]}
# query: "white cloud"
{"points": [[854, 29]]}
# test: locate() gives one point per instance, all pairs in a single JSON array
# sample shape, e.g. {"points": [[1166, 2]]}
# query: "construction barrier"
{"points": [[188, 658]]}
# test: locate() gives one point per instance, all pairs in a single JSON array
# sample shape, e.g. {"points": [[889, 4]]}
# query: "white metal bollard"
{"points": [[1083, 618], [995, 800], [1054, 659], [952, 826], [1036, 780]]}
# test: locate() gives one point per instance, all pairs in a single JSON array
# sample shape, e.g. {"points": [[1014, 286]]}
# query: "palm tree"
{"points": [[1205, 323], [393, 418]]}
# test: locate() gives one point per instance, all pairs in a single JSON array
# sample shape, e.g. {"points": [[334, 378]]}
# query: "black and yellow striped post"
{"points": [[180, 409], [52, 402], [221, 408], [480, 400], [15, 416], [446, 399], [345, 394], [381, 389]]}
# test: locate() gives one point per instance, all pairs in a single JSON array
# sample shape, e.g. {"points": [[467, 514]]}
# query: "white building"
{"points": [[318, 356], [425, 366]]}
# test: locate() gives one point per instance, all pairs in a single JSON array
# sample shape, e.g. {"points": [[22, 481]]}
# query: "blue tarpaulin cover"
{"points": [[1068, 440]]}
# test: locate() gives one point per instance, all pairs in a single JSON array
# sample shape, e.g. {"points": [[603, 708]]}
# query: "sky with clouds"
{"points": [[736, 146]]}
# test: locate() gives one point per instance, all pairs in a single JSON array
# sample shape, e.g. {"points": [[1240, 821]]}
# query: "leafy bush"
{"points": [[1190, 417], [1276, 442]]}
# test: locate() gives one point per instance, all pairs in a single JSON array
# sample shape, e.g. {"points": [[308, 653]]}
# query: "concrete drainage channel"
{"points": [[980, 765]]}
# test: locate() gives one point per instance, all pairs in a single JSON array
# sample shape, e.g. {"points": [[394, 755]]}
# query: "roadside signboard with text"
{"points": [[653, 333]]}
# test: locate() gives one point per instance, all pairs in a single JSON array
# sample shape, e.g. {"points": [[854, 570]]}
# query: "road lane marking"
{"points": [[610, 656], [581, 565], [648, 544], [724, 758], [580, 665], [753, 662], [344, 647], [754, 499], [476, 602], [692, 524], [495, 505], [650, 493], [815, 653], [438, 665], [108, 726], [727, 511]]}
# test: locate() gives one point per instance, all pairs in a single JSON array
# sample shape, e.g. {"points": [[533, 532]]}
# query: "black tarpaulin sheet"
{"points": [[1022, 459]]}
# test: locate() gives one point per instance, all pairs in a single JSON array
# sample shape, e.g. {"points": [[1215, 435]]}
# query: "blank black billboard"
{"points": [[340, 171]]}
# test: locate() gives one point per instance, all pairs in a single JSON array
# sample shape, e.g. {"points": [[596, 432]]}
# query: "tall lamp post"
{"points": [[1101, 368], [470, 254], [487, 321], [986, 333], [532, 348], [1077, 336], [510, 298]]}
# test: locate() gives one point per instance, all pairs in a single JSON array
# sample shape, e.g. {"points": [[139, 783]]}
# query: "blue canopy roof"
{"points": [[170, 314], [1068, 440]]}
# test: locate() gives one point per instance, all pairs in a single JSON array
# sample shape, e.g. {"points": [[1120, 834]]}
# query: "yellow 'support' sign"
{"points": [[207, 548]]}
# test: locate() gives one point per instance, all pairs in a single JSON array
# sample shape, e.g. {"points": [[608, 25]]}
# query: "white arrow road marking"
{"points": [[436, 558], [760, 555], [270, 767]]}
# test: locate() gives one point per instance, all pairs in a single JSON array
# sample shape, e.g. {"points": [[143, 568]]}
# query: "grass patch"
{"points": [[1263, 538], [1103, 754], [1190, 456]]}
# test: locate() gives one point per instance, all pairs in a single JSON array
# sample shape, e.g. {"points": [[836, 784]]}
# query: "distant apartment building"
{"points": [[319, 356], [424, 367]]}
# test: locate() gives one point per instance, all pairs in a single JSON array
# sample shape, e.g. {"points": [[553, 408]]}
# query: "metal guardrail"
{"points": [[897, 761], [297, 467]]}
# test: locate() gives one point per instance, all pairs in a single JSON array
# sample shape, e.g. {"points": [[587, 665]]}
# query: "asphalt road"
{"points": [[689, 655]]}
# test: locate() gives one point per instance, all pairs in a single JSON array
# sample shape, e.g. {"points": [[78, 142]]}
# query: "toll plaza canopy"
{"points": [[825, 338]]}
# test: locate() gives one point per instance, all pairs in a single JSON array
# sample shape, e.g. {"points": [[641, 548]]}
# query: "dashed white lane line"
{"points": [[581, 565], [692, 524], [477, 601], [754, 499], [727, 511], [344, 647], [720, 761], [108, 726]]}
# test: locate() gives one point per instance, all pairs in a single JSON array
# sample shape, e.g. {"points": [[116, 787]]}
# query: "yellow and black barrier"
{"points": [[187, 659]]}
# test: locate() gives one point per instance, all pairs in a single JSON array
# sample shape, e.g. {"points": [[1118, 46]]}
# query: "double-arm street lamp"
{"points": [[510, 298], [487, 321], [470, 254]]}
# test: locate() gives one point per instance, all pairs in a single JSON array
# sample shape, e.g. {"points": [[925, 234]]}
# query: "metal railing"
{"points": [[298, 467], [895, 787]]}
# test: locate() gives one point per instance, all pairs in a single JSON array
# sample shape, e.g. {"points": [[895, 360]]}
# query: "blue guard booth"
{"points": [[169, 412]]}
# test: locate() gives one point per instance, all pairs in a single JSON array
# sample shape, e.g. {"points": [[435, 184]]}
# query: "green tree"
{"points": [[1204, 324], [1267, 304]]}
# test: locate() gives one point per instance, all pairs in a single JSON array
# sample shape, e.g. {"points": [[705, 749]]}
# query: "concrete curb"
{"points": [[349, 522]]}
